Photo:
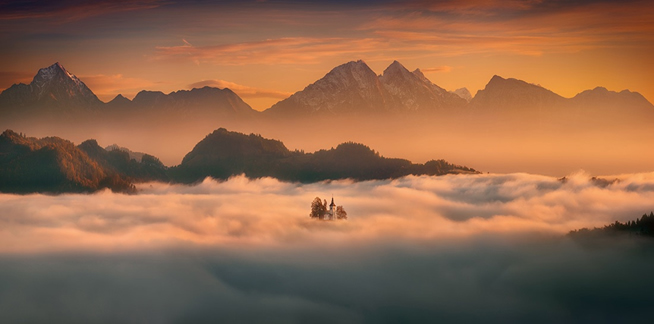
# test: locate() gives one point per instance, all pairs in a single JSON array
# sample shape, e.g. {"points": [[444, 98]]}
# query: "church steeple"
{"points": [[332, 209]]}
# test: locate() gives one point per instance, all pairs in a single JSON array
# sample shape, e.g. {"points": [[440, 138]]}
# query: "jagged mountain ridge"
{"points": [[354, 88], [412, 91], [351, 88], [54, 89], [348, 88]]}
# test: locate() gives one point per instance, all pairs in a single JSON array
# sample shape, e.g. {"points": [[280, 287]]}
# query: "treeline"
{"points": [[644, 226]]}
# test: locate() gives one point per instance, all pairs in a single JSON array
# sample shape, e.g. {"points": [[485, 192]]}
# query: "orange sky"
{"points": [[266, 50]]}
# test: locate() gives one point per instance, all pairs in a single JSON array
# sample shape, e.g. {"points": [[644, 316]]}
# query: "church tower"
{"points": [[332, 209]]}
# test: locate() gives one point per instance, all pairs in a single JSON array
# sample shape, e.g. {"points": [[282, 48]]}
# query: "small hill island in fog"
{"points": [[320, 210]]}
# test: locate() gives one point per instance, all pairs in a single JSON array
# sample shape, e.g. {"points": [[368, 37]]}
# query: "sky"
{"points": [[267, 50], [414, 249]]}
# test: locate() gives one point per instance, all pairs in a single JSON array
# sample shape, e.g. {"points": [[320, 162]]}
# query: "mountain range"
{"points": [[348, 89]]}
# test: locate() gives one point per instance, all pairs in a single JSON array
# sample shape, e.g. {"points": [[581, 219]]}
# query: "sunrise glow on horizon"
{"points": [[267, 50], [308, 161]]}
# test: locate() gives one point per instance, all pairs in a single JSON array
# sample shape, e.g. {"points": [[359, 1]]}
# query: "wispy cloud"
{"points": [[520, 27], [443, 68], [67, 11], [291, 50], [242, 90]]}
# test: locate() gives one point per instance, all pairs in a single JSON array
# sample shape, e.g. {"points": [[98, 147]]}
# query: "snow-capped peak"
{"points": [[48, 73]]}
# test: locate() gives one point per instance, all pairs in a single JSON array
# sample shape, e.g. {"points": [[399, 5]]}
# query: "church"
{"points": [[322, 211]]}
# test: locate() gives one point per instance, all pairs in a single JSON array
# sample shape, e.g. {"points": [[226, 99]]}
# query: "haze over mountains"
{"points": [[399, 112]]}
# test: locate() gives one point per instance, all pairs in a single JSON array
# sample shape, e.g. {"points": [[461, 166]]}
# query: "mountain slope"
{"points": [[514, 96], [604, 104], [412, 91], [348, 88], [204, 102]]}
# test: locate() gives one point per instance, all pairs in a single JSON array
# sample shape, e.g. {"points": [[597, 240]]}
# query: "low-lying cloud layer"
{"points": [[269, 212], [417, 249]]}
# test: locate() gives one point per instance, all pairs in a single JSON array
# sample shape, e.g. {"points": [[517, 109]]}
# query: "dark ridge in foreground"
{"points": [[55, 165], [222, 154], [643, 227]]}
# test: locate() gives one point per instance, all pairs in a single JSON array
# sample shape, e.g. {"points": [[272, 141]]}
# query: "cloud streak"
{"points": [[68, 11], [288, 50]]}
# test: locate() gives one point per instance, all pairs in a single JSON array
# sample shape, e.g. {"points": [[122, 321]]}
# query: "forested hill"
{"points": [[222, 154], [642, 227], [55, 165]]}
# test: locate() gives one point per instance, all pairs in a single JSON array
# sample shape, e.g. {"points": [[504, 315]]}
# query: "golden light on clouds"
{"points": [[269, 213]]}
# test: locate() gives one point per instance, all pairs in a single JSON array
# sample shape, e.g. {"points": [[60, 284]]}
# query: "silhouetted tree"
{"points": [[341, 213], [318, 209]]}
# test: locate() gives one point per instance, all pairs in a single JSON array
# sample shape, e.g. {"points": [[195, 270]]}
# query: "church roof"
{"points": [[332, 204]]}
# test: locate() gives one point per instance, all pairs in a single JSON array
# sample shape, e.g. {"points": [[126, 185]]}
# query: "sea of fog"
{"points": [[462, 248]]}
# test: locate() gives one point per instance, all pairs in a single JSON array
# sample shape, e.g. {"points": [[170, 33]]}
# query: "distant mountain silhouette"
{"points": [[514, 96], [463, 93], [55, 90], [354, 88], [54, 87], [351, 89], [148, 168], [205, 101], [138, 156], [602, 104], [55, 165], [222, 154]]}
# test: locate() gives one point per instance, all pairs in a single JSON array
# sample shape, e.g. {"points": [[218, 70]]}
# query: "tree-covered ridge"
{"points": [[52, 164], [641, 227], [223, 154]]}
